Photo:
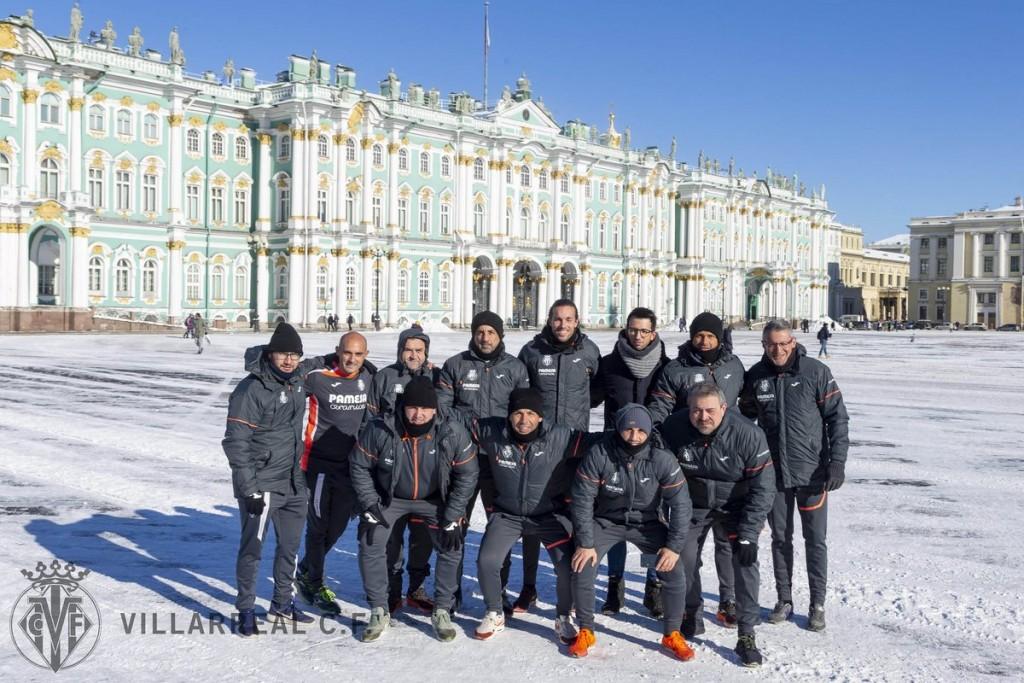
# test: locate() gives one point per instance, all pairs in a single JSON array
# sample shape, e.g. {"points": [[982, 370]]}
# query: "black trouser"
{"points": [[332, 501], [287, 513], [373, 542], [531, 553], [747, 578], [420, 548], [649, 538], [812, 504], [502, 532]]}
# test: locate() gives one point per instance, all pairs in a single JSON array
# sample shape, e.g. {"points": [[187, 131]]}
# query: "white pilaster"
{"points": [[79, 267]]}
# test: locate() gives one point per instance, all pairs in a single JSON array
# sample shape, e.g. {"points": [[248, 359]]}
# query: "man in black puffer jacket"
{"points": [[729, 473], [799, 406], [626, 375], [263, 444], [706, 357], [413, 464]]}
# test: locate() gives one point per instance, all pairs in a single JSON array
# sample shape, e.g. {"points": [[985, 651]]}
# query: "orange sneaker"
{"points": [[584, 641], [677, 645]]}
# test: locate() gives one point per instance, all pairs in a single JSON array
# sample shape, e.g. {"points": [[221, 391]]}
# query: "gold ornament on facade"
{"points": [[7, 75], [298, 134], [76, 103], [8, 38], [393, 147], [265, 139], [5, 146], [194, 178], [366, 143], [153, 106], [174, 120], [99, 97], [29, 96], [53, 86], [295, 251], [127, 101], [52, 153], [176, 245], [355, 117], [339, 138], [393, 255], [195, 122], [262, 251], [219, 181], [80, 232]]}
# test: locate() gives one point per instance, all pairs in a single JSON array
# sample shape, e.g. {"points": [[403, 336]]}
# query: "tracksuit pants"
{"points": [[373, 562], [649, 538], [420, 548], [531, 553], [723, 564], [332, 502], [503, 530], [747, 578], [287, 512], [812, 504]]}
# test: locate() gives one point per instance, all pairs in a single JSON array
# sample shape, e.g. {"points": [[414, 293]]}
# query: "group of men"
{"points": [[409, 448]]}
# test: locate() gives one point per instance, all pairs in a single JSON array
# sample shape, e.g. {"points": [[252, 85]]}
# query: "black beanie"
{"points": [[488, 318], [419, 393], [285, 339], [707, 322], [526, 398]]}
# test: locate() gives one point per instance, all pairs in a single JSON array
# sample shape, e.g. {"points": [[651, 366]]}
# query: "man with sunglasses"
{"points": [[799, 406]]}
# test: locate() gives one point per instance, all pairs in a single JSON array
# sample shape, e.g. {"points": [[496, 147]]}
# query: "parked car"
{"points": [[1009, 327], [923, 325], [858, 325], [946, 327], [974, 327]]}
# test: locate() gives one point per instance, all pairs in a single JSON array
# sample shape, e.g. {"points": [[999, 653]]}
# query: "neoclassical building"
{"points": [[132, 188]]}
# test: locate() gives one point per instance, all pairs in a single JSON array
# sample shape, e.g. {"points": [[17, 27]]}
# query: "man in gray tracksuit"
{"points": [[526, 469], [385, 392], [620, 489], [263, 442], [799, 406], [413, 464], [476, 384], [731, 481], [706, 357]]}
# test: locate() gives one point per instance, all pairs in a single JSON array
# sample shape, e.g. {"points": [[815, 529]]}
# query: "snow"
{"points": [[110, 456]]}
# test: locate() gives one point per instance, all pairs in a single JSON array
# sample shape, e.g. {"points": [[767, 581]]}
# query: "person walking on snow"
{"points": [[823, 337]]}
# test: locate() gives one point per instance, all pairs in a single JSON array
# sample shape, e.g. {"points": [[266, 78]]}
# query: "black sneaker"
{"points": [[247, 623], [727, 615], [816, 618], [652, 598], [746, 648], [290, 612], [395, 601], [616, 596], [527, 599], [507, 606], [693, 624], [325, 601], [782, 611], [420, 600], [307, 588]]}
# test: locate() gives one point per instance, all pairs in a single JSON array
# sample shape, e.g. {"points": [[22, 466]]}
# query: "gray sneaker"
{"points": [[380, 621], [781, 612], [443, 628], [816, 618]]}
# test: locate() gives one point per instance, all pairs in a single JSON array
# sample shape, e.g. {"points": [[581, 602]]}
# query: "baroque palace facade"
{"points": [[136, 190]]}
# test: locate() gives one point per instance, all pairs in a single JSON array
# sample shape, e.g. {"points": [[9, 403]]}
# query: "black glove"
{"points": [[372, 517], [254, 504], [836, 475], [451, 537], [746, 552]]}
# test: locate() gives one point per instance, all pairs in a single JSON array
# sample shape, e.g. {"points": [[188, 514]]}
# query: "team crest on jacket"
{"points": [[764, 385], [547, 361], [698, 378], [283, 398], [361, 384], [507, 457], [471, 375], [399, 389]]}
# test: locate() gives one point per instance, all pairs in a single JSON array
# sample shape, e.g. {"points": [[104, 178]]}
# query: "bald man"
{"points": [[337, 408]]}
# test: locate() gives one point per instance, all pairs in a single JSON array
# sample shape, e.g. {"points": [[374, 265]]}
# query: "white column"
{"points": [[542, 299], [959, 257], [976, 242], [1002, 255], [584, 293], [392, 208], [642, 237], [338, 260], [366, 150], [492, 293], [298, 186], [265, 190], [79, 267], [467, 289], [579, 207], [296, 293], [76, 109], [175, 274], [264, 284], [30, 115], [627, 214], [24, 267], [367, 290], [174, 202], [340, 221], [506, 298], [392, 266], [312, 266], [672, 223]]}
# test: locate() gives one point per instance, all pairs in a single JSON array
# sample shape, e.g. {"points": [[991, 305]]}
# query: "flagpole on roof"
{"points": [[487, 49]]}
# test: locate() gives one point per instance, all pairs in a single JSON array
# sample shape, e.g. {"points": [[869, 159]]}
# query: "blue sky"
{"points": [[901, 108]]}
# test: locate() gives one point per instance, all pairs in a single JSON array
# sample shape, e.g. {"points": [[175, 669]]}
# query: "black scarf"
{"points": [[523, 439], [710, 357], [486, 357], [553, 342], [628, 448], [416, 430], [285, 377]]}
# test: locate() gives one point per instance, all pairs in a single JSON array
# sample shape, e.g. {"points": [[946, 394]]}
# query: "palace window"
{"points": [[444, 288], [193, 282], [217, 283], [424, 163], [350, 206], [49, 109], [241, 148], [602, 294], [446, 166], [284, 148], [988, 264], [446, 218], [96, 193], [376, 212], [403, 160], [96, 275], [151, 127], [588, 189], [508, 175], [241, 283], [1015, 264], [321, 283], [602, 191], [284, 204], [192, 202], [124, 122], [542, 179], [989, 239], [922, 267], [97, 119], [543, 225], [323, 147], [564, 182], [321, 205], [350, 150], [524, 175], [424, 287], [940, 267], [478, 219], [217, 145], [123, 278], [403, 286], [378, 155], [5, 170], [241, 206], [217, 205], [478, 169], [563, 228], [149, 181], [424, 214], [942, 242], [5, 102], [123, 190], [282, 283], [350, 284], [602, 230], [524, 222], [49, 179], [403, 214], [192, 141]]}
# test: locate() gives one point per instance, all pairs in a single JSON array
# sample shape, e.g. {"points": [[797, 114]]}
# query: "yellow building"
{"points": [[872, 283]]}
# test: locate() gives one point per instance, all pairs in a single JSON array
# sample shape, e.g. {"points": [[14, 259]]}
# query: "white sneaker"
{"points": [[490, 624], [565, 630]]}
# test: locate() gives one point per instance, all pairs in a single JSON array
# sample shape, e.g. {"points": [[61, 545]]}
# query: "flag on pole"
{"points": [[487, 30]]}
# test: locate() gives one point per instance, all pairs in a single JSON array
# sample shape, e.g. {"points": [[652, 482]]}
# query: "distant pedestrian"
{"points": [[823, 336], [682, 324], [189, 326], [199, 331], [255, 323], [351, 321]]}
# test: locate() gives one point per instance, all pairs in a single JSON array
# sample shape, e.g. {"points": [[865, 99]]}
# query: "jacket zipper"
{"points": [[523, 478], [415, 469]]}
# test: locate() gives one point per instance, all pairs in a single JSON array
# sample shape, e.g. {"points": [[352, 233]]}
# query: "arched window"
{"points": [[49, 109], [616, 236], [524, 222], [616, 293], [350, 284], [508, 174], [149, 277], [403, 160], [323, 147], [321, 205], [376, 211], [123, 278], [350, 150], [96, 275], [524, 175], [542, 179], [403, 214], [564, 182], [446, 218], [543, 227], [96, 189], [151, 127], [217, 144], [241, 283], [602, 233], [284, 148], [378, 155], [563, 228], [241, 148], [123, 190], [192, 141], [321, 284], [478, 219], [193, 282], [424, 287], [49, 179], [588, 225], [124, 122], [282, 284], [5, 102], [350, 206], [602, 293], [478, 169], [97, 119], [424, 163], [403, 286], [446, 166], [241, 206], [5, 170], [424, 214], [444, 288]]}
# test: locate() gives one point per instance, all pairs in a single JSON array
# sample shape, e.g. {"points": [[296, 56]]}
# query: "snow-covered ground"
{"points": [[110, 456]]}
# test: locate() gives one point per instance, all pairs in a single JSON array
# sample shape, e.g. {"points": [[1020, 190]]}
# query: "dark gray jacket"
{"points": [[612, 487], [263, 439], [471, 387], [382, 457], [729, 473], [668, 394], [615, 385], [801, 410], [388, 385], [563, 377], [529, 479]]}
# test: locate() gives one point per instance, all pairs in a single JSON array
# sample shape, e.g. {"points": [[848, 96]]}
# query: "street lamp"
{"points": [[377, 254]]}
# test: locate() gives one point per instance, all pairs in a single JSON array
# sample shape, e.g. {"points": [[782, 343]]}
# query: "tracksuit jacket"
{"points": [[668, 394]]}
